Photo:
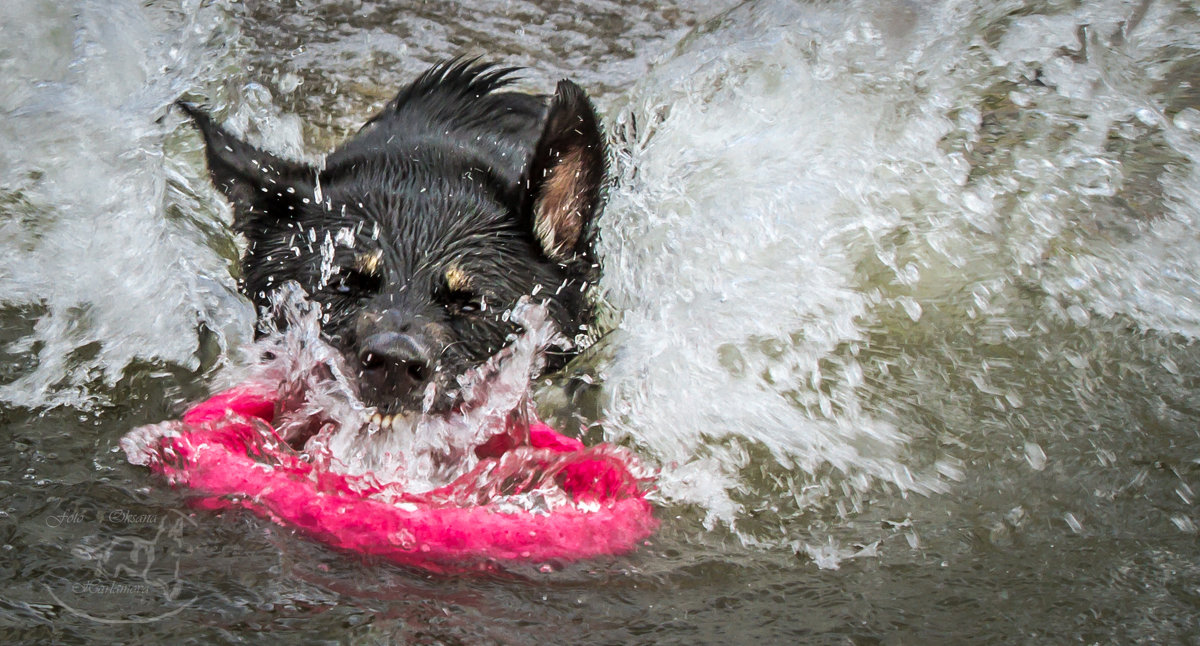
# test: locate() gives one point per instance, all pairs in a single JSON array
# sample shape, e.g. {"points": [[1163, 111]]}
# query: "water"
{"points": [[903, 299]]}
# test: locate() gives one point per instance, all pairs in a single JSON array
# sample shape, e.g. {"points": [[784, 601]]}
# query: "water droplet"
{"points": [[911, 307], [1184, 523], [1035, 456], [1187, 119], [1078, 315]]}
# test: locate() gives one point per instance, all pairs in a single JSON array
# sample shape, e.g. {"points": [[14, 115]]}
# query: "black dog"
{"points": [[425, 227]]}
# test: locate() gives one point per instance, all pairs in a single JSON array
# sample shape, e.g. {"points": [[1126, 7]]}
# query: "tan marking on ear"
{"points": [[368, 262], [559, 209], [457, 280]]}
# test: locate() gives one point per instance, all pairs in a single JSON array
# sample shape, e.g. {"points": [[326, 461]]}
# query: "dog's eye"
{"points": [[352, 281], [464, 301], [457, 294]]}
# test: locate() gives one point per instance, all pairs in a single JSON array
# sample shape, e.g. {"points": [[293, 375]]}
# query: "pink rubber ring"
{"points": [[218, 452]]}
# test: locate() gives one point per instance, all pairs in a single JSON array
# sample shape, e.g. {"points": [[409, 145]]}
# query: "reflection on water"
{"points": [[904, 303]]}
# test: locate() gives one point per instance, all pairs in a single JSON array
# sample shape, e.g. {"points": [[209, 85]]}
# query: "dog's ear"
{"points": [[566, 174], [257, 183]]}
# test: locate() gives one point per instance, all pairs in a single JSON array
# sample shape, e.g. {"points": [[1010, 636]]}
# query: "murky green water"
{"points": [[905, 311]]}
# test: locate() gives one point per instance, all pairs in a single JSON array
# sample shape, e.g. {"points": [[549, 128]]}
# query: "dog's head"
{"points": [[422, 230]]}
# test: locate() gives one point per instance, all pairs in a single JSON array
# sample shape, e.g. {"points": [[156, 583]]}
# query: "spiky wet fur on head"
{"points": [[426, 226]]}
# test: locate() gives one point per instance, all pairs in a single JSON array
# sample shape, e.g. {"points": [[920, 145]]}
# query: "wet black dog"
{"points": [[426, 226]]}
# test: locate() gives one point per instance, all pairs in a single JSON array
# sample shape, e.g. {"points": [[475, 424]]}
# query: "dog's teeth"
{"points": [[398, 421]]}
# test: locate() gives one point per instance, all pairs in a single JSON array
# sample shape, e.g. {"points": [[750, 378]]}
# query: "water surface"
{"points": [[903, 300]]}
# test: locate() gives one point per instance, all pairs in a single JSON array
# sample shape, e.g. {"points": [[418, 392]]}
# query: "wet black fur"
{"points": [[422, 229]]}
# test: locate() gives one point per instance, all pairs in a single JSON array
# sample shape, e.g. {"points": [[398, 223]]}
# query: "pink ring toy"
{"points": [[218, 450]]}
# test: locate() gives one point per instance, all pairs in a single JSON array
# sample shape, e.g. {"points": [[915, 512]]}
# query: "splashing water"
{"points": [[720, 230], [832, 221], [858, 251], [321, 416], [82, 163], [851, 248]]}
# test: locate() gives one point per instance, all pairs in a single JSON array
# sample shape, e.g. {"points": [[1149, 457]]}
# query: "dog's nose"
{"points": [[402, 360]]}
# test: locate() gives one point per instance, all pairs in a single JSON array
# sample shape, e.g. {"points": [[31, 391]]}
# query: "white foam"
{"points": [[81, 152], [726, 249], [798, 175], [426, 451]]}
